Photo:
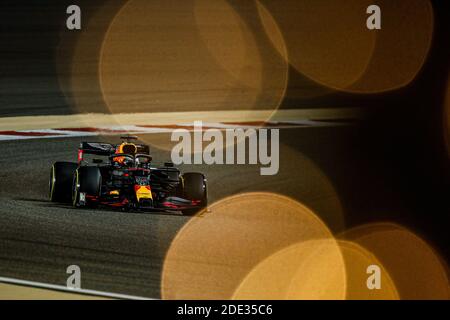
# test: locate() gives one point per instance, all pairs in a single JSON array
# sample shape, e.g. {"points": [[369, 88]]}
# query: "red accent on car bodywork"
{"points": [[80, 155], [137, 187], [116, 204], [170, 205], [139, 169]]}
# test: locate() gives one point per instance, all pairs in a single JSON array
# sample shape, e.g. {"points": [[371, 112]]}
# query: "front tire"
{"points": [[87, 183], [195, 188], [60, 183]]}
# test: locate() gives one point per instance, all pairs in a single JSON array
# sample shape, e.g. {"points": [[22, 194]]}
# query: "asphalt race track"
{"points": [[324, 168], [123, 252]]}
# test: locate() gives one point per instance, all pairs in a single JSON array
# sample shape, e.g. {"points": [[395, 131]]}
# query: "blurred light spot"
{"points": [[233, 45], [298, 177], [189, 55], [272, 30], [326, 40], [402, 46], [416, 269], [311, 270], [186, 55], [357, 259], [213, 252], [78, 58]]}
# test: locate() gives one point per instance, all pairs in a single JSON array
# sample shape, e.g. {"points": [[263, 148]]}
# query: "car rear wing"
{"points": [[105, 149], [95, 148]]}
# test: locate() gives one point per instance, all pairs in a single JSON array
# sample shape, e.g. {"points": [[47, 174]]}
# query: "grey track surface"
{"points": [[124, 252]]}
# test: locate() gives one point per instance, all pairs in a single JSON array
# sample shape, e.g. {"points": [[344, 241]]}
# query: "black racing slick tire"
{"points": [[86, 181], [195, 188], [60, 183]]}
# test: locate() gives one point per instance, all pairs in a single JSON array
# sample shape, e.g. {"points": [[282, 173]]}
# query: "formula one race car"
{"points": [[127, 179]]}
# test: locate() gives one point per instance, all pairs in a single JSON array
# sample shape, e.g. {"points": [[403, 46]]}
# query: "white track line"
{"points": [[87, 132], [167, 118], [85, 125], [54, 287]]}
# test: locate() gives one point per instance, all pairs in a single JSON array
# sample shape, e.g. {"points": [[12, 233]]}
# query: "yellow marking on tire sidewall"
{"points": [[75, 193], [53, 181]]}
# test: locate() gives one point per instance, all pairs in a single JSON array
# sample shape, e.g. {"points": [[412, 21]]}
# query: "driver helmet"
{"points": [[125, 148]]}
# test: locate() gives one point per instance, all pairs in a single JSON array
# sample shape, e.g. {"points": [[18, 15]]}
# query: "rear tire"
{"points": [[195, 188], [60, 184], [87, 180]]}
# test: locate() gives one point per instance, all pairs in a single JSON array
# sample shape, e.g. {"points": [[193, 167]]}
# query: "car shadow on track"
{"points": [[47, 204]]}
